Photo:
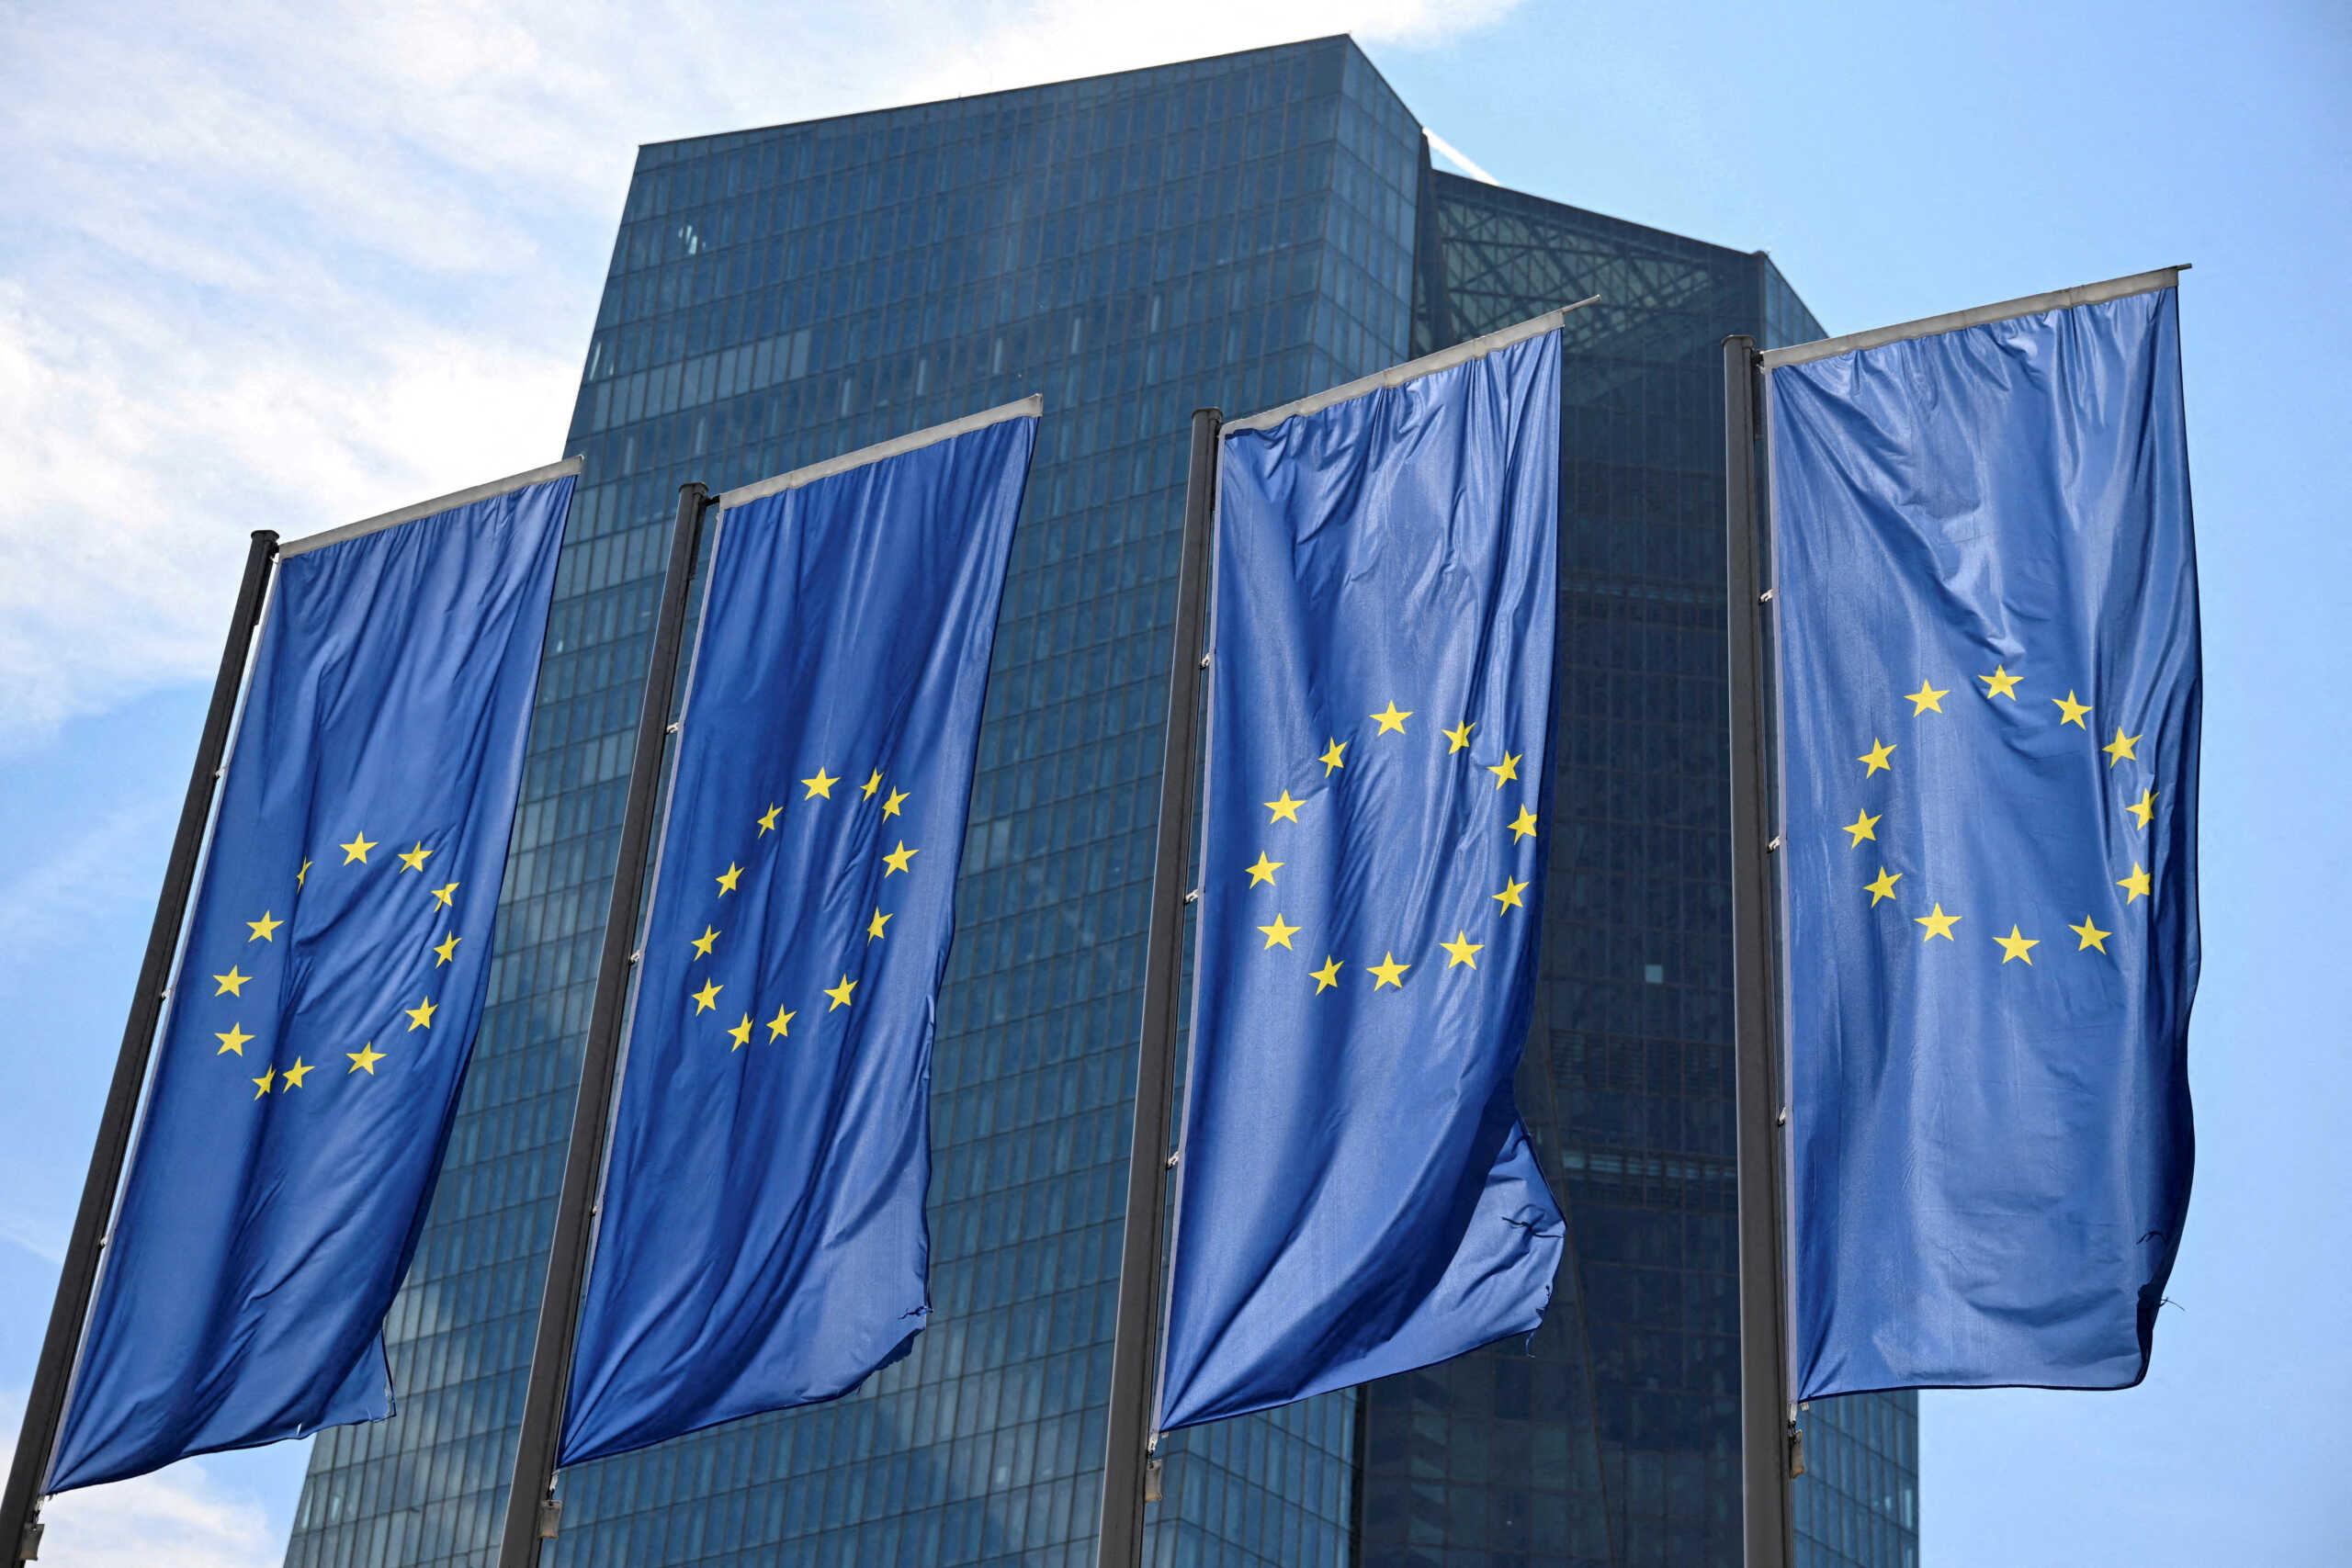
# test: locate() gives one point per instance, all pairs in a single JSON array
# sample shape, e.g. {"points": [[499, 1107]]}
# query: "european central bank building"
{"points": [[1235, 232]]}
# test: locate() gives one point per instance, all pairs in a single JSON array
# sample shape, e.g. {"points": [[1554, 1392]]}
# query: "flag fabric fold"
{"points": [[326, 999], [1989, 691], [762, 1242], [1357, 1194]]}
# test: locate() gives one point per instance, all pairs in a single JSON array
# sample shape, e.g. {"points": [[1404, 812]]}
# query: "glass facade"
{"points": [[1611, 1436], [1238, 231]]}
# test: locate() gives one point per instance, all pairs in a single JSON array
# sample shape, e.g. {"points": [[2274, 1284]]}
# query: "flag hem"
{"points": [[568, 469], [1411, 370], [1978, 316], [1030, 407]]}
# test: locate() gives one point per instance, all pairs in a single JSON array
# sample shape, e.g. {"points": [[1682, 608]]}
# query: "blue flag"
{"points": [[327, 995], [1989, 689], [762, 1242], [1358, 1196]]}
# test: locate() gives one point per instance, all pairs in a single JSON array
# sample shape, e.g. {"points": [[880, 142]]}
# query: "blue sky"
{"points": [[296, 264]]}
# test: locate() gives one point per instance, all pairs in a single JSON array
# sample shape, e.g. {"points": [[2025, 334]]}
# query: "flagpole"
{"points": [[532, 1510], [45, 1407], [1770, 1454], [1130, 1469]]}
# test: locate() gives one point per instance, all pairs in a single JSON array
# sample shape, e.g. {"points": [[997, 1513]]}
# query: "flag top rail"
{"points": [[1980, 315], [1030, 407], [568, 469], [1411, 370]]}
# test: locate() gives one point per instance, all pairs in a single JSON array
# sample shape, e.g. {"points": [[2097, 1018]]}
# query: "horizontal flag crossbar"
{"points": [[568, 469], [1030, 407], [1983, 315], [1413, 369]]}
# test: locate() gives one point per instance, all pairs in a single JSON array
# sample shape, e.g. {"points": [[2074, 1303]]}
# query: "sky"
{"points": [[288, 266]]}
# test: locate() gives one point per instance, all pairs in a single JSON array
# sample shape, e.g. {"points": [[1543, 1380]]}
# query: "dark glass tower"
{"points": [[1239, 231]]}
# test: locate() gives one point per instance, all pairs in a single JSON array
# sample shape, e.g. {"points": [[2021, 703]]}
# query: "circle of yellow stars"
{"points": [[1390, 972], [2001, 685], [899, 859], [295, 1074]]}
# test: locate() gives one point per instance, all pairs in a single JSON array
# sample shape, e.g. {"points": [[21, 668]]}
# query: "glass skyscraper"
{"points": [[1235, 231]]}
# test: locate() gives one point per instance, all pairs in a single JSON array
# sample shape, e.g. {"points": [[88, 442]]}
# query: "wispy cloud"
{"points": [[281, 266], [181, 1515]]}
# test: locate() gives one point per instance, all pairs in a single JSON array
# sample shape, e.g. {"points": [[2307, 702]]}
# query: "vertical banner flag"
{"points": [[762, 1243], [326, 997], [1358, 1196], [1989, 689]]}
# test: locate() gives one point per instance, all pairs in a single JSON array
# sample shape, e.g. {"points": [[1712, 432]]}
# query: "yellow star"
{"points": [[441, 896], [892, 802], [2070, 712], [1884, 887], [295, 1073], [873, 927], [2015, 946], [702, 943], [1326, 977], [766, 819], [1458, 738], [1461, 950], [420, 1015], [1392, 719], [872, 784], [411, 860], [231, 984], [1524, 826], [2119, 749], [1926, 699], [364, 1060], [1332, 758], [741, 1033], [728, 879], [301, 873], [1284, 810], [2092, 936], [841, 993], [1506, 770], [447, 950], [2000, 684], [1389, 973], [1509, 897], [357, 850], [2136, 885], [707, 997], [232, 1043], [1876, 757], [1938, 924], [1279, 934], [781, 1025], [898, 859], [269, 1077], [822, 784], [1264, 870], [1864, 826], [264, 928], [2145, 808]]}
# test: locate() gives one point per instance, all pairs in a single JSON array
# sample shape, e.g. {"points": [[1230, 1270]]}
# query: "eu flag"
{"points": [[762, 1242], [327, 993], [1989, 690], [1358, 1196]]}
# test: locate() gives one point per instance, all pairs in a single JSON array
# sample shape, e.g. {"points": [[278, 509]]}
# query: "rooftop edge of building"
{"points": [[1339, 44]]}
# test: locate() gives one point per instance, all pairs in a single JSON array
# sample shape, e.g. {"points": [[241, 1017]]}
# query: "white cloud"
{"points": [[182, 1516], [284, 266]]}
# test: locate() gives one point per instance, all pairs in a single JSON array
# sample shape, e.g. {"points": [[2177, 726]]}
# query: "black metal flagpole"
{"points": [[532, 1511], [1129, 1468], [1769, 1450], [45, 1408]]}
